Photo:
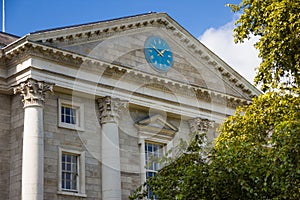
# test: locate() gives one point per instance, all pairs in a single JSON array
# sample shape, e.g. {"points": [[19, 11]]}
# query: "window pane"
{"points": [[69, 172], [68, 185], [68, 115], [68, 176], [72, 120], [68, 119], [152, 153], [68, 111]]}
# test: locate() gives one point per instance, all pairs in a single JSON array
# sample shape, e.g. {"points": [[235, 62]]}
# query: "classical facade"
{"points": [[84, 108]]}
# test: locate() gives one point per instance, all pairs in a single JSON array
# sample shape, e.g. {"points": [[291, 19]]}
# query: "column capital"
{"points": [[199, 124], [110, 108], [33, 91]]}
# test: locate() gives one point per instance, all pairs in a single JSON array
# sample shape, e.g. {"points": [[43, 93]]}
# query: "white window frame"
{"points": [[80, 191], [142, 143], [79, 108]]}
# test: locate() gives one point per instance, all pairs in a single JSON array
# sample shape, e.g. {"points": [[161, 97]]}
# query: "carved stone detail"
{"points": [[110, 109], [33, 91], [200, 125]]}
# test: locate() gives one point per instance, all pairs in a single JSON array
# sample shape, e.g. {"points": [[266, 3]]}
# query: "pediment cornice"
{"points": [[41, 44], [48, 52], [156, 126], [100, 30]]}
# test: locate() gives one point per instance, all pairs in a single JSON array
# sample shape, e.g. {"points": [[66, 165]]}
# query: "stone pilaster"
{"points": [[33, 93], [111, 175]]}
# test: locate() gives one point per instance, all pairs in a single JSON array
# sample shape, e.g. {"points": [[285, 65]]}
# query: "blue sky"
{"points": [[24, 16], [208, 20]]}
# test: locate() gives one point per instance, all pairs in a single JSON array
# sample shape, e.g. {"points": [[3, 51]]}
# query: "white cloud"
{"points": [[241, 57]]}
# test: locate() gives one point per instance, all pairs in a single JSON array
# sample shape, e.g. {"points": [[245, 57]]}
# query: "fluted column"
{"points": [[111, 175], [33, 93]]}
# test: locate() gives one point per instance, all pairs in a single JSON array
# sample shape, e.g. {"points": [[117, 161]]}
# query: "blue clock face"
{"points": [[158, 53]]}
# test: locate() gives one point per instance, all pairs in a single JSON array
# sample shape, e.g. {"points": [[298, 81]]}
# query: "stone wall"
{"points": [[16, 142], [86, 140], [5, 114]]}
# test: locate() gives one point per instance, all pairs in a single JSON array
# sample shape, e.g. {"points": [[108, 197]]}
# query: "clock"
{"points": [[158, 53]]}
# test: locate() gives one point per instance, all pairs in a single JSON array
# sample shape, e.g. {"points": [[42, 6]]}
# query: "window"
{"points": [[71, 173], [71, 115], [153, 152], [69, 169], [68, 114]]}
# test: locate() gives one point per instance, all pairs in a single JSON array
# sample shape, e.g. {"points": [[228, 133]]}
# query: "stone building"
{"points": [[83, 108]]}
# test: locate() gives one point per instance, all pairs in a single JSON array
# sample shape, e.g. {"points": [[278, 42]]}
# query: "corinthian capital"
{"points": [[33, 91], [200, 125], [110, 109]]}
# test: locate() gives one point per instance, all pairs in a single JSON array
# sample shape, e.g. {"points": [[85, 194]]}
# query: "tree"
{"points": [[277, 22], [257, 155]]}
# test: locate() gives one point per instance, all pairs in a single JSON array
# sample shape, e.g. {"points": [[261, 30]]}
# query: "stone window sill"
{"points": [[71, 194]]}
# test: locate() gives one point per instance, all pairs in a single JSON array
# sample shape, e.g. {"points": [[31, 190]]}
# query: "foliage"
{"points": [[256, 156], [177, 179], [277, 22]]}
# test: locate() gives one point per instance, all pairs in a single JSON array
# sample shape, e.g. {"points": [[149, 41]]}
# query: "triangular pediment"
{"points": [[120, 42], [157, 123]]}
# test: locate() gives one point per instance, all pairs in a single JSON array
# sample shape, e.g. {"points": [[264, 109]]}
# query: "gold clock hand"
{"points": [[163, 51], [159, 53]]}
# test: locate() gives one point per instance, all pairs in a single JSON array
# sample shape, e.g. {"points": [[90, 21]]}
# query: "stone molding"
{"points": [[110, 109], [199, 125], [100, 30], [144, 77], [77, 60], [156, 127], [33, 92]]}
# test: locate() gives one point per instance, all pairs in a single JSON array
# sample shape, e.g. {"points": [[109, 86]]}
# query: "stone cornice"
{"points": [[24, 45], [33, 92], [63, 56], [95, 31], [103, 29]]}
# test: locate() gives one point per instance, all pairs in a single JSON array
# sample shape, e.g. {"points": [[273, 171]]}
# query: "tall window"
{"points": [[71, 173], [152, 153], [69, 176]]}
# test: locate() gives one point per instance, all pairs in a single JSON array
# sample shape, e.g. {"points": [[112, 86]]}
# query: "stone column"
{"points": [[142, 159], [33, 93], [110, 155]]}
